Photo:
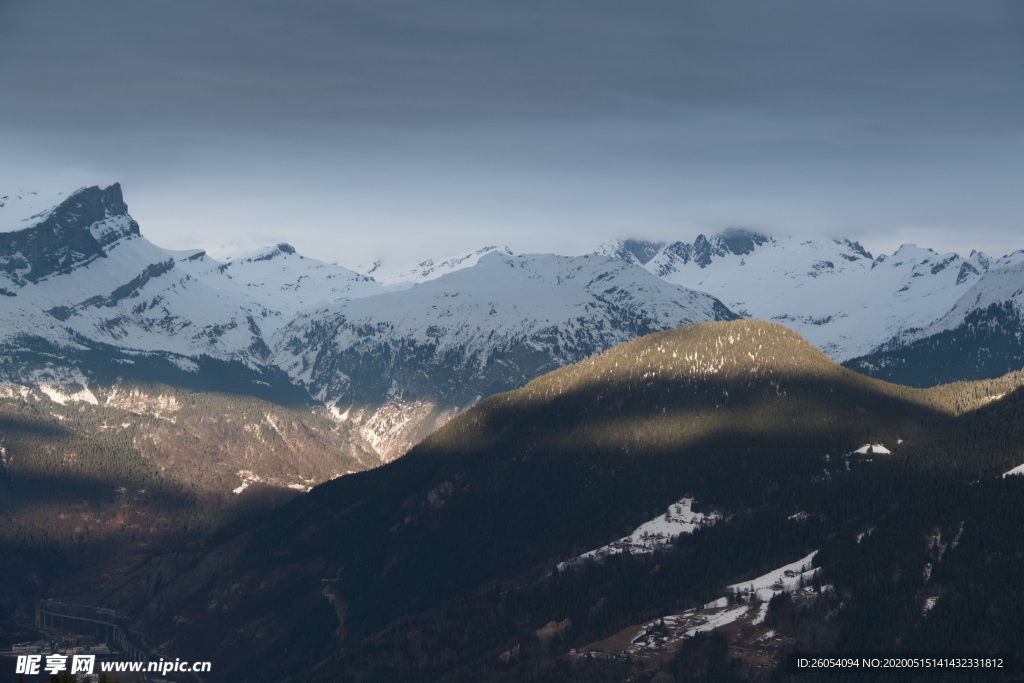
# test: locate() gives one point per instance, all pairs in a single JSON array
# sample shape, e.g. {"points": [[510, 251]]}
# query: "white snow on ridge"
{"points": [[1003, 282], [873, 449], [1018, 470], [829, 291], [530, 303], [281, 280], [657, 533], [787, 578], [389, 273], [20, 209], [141, 297]]}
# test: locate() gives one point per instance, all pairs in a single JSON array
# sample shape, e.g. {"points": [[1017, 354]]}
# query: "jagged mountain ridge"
{"points": [[275, 310], [834, 292], [83, 289], [981, 335], [86, 274], [493, 326]]}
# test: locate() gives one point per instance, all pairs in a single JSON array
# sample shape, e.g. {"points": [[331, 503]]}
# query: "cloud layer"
{"points": [[353, 127]]}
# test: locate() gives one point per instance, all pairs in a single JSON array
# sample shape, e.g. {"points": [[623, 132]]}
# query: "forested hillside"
{"points": [[86, 473], [443, 564]]}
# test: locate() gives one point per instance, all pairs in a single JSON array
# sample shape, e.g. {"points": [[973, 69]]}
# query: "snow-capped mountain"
{"points": [[392, 273], [1002, 283], [639, 252], [81, 279], [833, 292], [405, 361], [483, 329], [86, 274], [84, 294], [980, 336], [20, 209]]}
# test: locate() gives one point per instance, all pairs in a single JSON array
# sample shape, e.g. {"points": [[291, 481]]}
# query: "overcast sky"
{"points": [[380, 128]]}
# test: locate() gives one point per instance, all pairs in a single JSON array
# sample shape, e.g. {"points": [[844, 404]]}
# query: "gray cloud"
{"points": [[592, 117]]}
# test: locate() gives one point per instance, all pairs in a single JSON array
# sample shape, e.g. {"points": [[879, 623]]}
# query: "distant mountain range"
{"points": [[86, 298], [842, 299]]}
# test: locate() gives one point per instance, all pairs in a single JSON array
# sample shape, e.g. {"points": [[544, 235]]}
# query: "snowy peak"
{"points": [[482, 329], [1001, 286], [704, 250], [72, 233], [20, 209], [268, 253], [832, 291], [281, 279], [639, 252], [914, 262], [428, 269]]}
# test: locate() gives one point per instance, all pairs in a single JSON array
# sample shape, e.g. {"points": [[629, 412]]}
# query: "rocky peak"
{"points": [[739, 241], [73, 233], [633, 251], [704, 250]]}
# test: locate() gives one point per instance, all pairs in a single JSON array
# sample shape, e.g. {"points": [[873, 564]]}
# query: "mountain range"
{"points": [[622, 465], [87, 298]]}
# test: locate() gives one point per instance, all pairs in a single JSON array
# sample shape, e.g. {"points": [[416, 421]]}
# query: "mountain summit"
{"points": [[74, 232]]}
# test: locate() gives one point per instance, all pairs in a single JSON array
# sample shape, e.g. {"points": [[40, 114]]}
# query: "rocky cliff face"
{"points": [[74, 233]]}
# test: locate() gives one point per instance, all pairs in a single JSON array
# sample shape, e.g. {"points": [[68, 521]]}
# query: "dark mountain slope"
{"points": [[987, 343], [739, 414], [86, 474]]}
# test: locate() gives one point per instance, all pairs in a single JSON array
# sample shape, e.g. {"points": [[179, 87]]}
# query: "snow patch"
{"points": [[10, 390], [873, 449], [1019, 469], [650, 536], [665, 634], [185, 364], [57, 396], [656, 635], [762, 613], [332, 411], [248, 477], [784, 579]]}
